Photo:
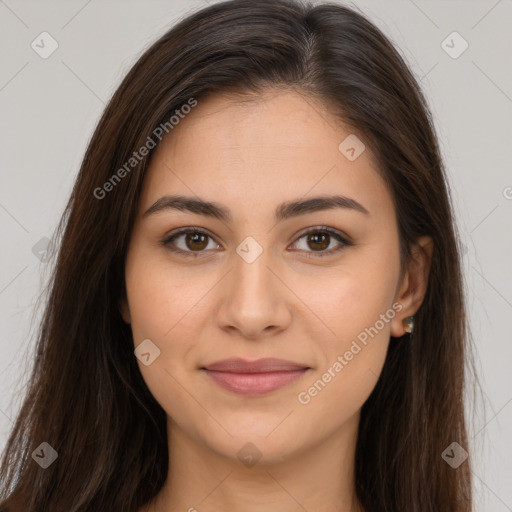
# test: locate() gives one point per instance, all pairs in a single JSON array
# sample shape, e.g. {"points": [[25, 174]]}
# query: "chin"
{"points": [[261, 445]]}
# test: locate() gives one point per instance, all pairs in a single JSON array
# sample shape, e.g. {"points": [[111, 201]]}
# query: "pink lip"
{"points": [[254, 377]]}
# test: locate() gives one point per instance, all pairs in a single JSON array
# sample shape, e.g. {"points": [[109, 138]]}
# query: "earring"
{"points": [[408, 324]]}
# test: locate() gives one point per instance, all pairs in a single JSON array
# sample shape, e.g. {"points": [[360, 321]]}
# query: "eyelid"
{"points": [[325, 229], [166, 241], [343, 239]]}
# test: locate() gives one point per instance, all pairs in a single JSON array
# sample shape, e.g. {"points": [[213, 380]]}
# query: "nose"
{"points": [[254, 298]]}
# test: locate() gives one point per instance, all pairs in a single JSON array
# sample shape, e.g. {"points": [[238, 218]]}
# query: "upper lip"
{"points": [[269, 364]]}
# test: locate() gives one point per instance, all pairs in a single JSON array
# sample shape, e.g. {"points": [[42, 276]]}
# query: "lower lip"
{"points": [[254, 383]]}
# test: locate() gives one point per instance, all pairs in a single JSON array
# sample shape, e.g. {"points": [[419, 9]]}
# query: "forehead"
{"points": [[262, 149]]}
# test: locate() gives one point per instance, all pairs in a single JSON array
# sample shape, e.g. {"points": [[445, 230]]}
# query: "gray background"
{"points": [[50, 107]]}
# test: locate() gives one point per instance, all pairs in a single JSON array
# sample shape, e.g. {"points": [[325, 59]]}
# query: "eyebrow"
{"points": [[284, 211]]}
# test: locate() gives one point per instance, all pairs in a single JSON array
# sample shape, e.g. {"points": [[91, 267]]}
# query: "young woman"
{"points": [[257, 302]]}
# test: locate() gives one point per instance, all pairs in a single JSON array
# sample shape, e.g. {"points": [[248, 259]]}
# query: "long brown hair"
{"points": [[86, 397]]}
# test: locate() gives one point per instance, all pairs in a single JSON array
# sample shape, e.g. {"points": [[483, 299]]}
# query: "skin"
{"points": [[250, 156]]}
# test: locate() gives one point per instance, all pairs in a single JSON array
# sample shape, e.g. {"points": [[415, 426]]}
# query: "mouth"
{"points": [[254, 377]]}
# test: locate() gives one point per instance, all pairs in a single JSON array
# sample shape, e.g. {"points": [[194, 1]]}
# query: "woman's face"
{"points": [[253, 284]]}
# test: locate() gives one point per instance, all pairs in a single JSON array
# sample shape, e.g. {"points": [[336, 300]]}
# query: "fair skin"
{"points": [[250, 157]]}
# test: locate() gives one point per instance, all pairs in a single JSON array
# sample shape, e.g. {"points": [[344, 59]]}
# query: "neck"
{"points": [[320, 477]]}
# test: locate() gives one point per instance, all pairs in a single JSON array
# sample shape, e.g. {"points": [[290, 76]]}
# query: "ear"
{"points": [[124, 309], [414, 283]]}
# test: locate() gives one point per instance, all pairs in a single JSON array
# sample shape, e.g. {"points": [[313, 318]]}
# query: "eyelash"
{"points": [[167, 241]]}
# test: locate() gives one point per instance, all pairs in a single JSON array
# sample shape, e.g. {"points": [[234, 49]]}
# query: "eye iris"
{"points": [[197, 238], [319, 238]]}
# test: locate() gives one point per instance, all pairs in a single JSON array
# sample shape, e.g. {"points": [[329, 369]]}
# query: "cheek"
{"points": [[356, 305], [160, 297], [162, 304], [351, 362], [350, 297]]}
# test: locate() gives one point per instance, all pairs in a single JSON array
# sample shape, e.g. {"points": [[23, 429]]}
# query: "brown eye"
{"points": [[190, 242], [196, 241], [318, 241]]}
